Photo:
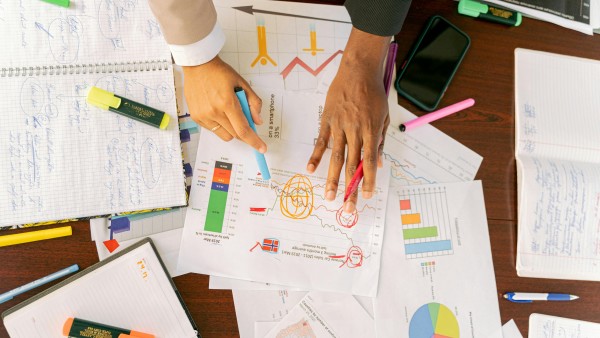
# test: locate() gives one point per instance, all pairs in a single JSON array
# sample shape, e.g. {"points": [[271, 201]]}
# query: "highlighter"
{"points": [[79, 328], [108, 101], [495, 14]]}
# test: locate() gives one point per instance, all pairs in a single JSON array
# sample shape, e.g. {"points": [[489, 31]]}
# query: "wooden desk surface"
{"points": [[487, 75]]}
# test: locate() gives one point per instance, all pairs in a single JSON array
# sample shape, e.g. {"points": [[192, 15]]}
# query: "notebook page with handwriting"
{"points": [[558, 165], [65, 159], [39, 34], [544, 326], [131, 291]]}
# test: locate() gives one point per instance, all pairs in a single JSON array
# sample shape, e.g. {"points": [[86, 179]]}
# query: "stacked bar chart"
{"points": [[217, 202], [425, 221]]}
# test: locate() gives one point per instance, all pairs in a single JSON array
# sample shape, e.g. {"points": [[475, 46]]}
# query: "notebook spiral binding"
{"points": [[98, 68]]}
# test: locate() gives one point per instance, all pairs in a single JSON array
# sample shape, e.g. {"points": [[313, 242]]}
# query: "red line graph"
{"points": [[297, 61]]}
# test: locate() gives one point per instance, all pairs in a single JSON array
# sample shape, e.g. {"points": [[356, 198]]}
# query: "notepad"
{"points": [[557, 109], [544, 326], [130, 290], [61, 157]]}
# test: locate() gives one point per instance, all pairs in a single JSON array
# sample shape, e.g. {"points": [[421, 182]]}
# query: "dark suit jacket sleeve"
{"points": [[379, 17]]}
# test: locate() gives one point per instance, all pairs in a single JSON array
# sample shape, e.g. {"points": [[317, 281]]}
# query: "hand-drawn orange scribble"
{"points": [[296, 201]]}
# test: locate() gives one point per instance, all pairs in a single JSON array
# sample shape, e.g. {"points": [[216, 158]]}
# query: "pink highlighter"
{"points": [[436, 115]]}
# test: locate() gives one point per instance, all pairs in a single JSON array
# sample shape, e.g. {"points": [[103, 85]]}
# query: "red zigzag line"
{"points": [[314, 72]]}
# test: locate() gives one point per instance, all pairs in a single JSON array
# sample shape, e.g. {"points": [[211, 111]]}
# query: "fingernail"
{"points": [[349, 207], [330, 195], [367, 194], [310, 168], [259, 120], [262, 149]]}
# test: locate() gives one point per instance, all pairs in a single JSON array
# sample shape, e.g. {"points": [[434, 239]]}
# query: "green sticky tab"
{"points": [[102, 98], [63, 3], [471, 8]]}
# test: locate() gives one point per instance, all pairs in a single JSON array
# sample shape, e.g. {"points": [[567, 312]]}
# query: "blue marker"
{"points": [[528, 297], [22, 289], [260, 158]]}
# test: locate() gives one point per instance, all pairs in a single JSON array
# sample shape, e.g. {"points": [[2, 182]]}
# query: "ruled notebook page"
{"points": [[63, 158], [40, 34], [557, 105], [544, 326], [131, 292]]}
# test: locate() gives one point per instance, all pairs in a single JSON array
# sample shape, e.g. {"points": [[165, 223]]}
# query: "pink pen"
{"points": [[436, 115]]}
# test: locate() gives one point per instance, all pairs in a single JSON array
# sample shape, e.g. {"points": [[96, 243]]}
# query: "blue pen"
{"points": [[22, 289], [260, 158], [528, 297]]}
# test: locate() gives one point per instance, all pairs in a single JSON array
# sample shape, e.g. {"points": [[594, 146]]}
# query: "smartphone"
{"points": [[432, 62]]}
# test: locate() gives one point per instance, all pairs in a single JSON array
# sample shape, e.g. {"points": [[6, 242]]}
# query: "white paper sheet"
{"points": [[322, 314], [435, 236], [544, 326], [295, 48], [130, 292], [508, 330], [262, 306], [303, 237]]}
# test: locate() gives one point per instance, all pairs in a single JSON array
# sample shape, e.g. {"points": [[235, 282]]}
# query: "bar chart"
{"points": [[217, 202], [425, 221]]}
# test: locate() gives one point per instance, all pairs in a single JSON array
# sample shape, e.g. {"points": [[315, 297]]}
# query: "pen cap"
{"points": [[471, 8], [102, 98]]}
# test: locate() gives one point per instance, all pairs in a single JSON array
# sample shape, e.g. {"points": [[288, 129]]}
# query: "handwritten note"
{"points": [[88, 32], [67, 159], [558, 165], [543, 326]]}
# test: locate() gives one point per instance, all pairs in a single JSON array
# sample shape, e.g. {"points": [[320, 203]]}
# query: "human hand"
{"points": [[209, 92], [356, 115]]}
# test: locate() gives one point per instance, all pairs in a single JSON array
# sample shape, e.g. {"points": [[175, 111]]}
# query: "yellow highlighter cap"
{"points": [[102, 98], [165, 121]]}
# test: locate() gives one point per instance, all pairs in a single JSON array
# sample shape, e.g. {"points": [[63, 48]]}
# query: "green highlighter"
{"points": [[108, 101], [495, 14], [64, 3]]}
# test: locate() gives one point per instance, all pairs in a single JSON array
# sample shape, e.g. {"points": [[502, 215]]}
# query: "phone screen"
{"points": [[433, 63]]}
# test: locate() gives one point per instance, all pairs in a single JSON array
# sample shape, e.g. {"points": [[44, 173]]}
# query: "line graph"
{"points": [[298, 62]]}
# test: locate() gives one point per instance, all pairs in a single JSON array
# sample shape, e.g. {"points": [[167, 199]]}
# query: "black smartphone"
{"points": [[432, 62]]}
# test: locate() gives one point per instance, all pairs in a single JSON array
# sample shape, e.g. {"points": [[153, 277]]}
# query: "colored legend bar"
{"points": [[411, 219], [416, 248], [404, 204], [417, 233], [215, 213]]}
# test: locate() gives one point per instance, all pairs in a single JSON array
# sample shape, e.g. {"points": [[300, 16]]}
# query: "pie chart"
{"points": [[433, 320]]}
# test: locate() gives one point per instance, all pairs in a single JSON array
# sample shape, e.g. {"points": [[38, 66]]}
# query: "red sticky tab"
{"points": [[111, 245]]}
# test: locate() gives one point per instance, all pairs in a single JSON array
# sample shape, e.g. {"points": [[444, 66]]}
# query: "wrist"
{"points": [[365, 50]]}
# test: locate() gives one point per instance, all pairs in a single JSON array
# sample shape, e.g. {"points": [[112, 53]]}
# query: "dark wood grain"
{"points": [[487, 75]]}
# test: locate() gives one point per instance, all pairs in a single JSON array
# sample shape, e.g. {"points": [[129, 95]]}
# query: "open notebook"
{"points": [[131, 290], [557, 107], [61, 157]]}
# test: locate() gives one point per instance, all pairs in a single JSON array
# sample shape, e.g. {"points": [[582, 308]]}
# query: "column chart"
{"points": [[215, 213], [425, 220]]}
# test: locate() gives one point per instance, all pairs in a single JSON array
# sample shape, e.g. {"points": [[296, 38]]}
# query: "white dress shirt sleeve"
{"points": [[201, 51]]}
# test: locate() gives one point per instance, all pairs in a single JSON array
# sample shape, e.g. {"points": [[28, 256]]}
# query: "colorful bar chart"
{"points": [[217, 202], [425, 222]]}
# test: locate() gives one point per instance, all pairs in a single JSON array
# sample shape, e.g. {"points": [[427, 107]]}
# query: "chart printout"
{"points": [[436, 234], [279, 231]]}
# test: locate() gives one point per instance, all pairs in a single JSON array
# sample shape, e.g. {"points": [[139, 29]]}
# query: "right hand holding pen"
{"points": [[209, 91]]}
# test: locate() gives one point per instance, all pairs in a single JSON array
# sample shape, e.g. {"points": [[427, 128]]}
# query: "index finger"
{"points": [[241, 125]]}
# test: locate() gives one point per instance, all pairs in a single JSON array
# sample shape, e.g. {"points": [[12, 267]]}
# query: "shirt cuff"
{"points": [[201, 51]]}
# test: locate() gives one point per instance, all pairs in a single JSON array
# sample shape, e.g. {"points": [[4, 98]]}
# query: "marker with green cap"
{"points": [[486, 12], [64, 3], [137, 111]]}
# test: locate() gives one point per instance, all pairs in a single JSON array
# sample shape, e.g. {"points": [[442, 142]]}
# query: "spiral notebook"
{"points": [[64, 159], [130, 290]]}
